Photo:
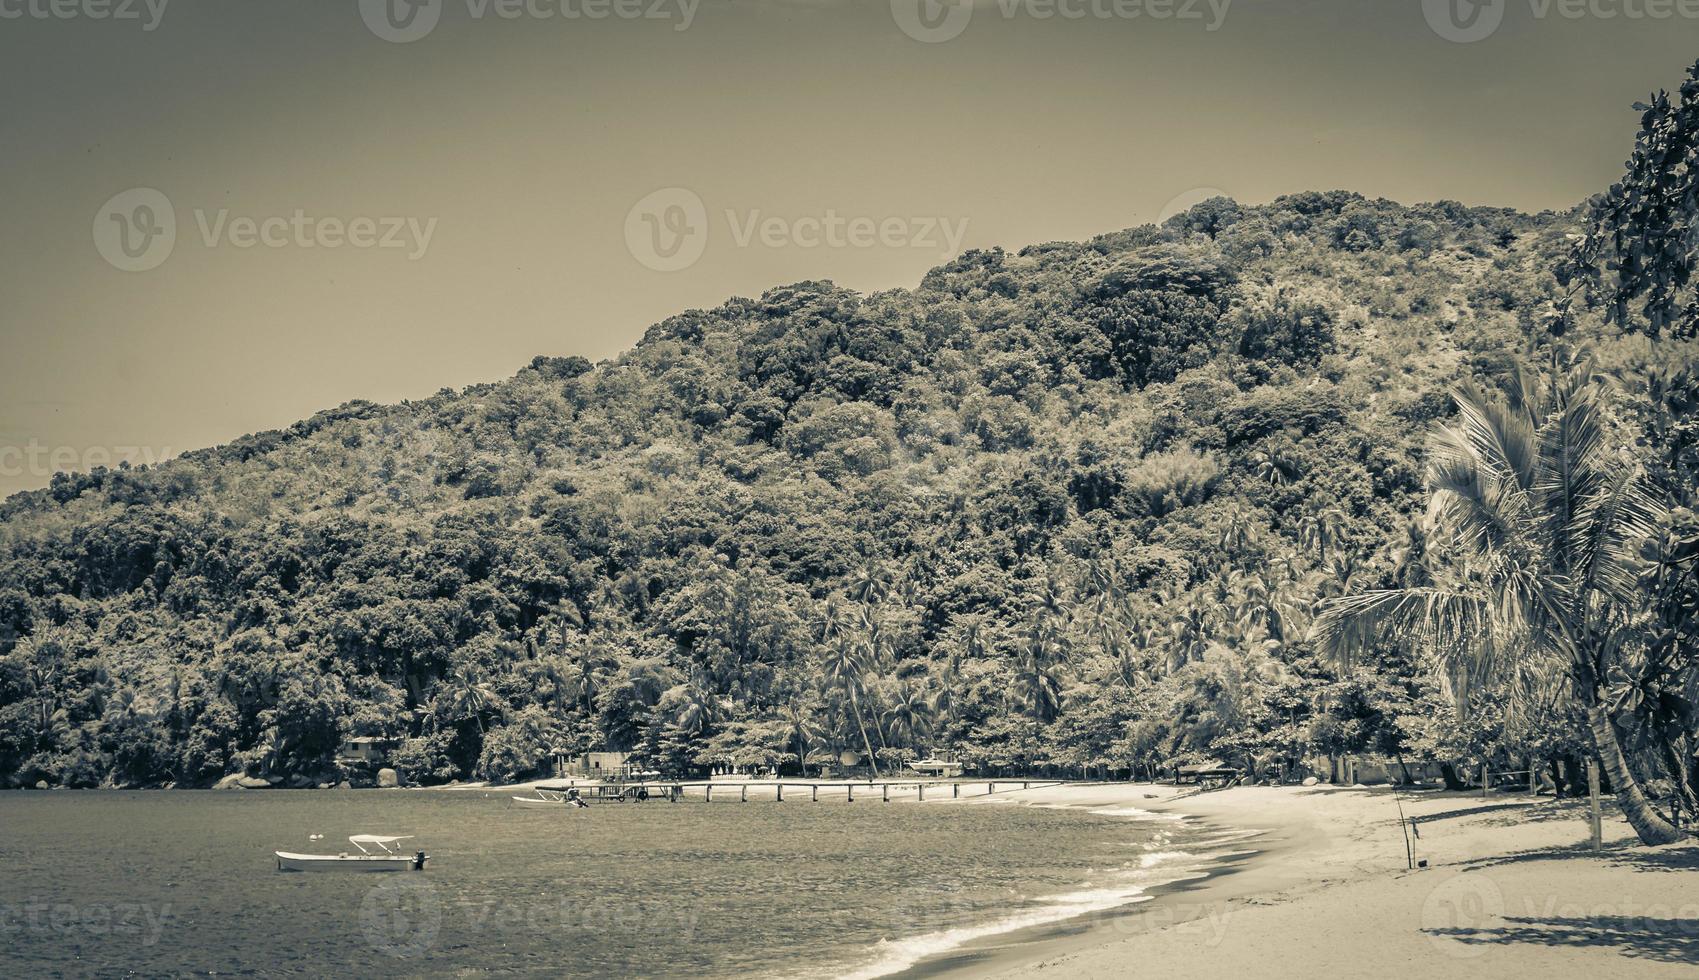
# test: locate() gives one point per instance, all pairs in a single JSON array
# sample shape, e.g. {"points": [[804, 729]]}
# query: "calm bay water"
{"points": [[184, 882]]}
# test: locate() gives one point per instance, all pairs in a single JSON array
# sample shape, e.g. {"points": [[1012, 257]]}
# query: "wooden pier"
{"points": [[774, 790]]}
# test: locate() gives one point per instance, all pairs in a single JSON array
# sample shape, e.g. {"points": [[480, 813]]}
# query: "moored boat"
{"points": [[388, 857], [547, 799]]}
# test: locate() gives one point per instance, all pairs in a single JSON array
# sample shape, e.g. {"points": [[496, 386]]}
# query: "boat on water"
{"points": [[377, 853], [548, 799]]}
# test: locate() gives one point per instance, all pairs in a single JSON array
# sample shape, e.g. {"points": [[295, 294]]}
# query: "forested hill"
{"points": [[1067, 505]]}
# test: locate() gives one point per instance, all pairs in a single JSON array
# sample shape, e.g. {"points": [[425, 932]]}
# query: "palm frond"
{"points": [[1502, 438], [1571, 468], [1610, 523], [1481, 509], [1436, 619]]}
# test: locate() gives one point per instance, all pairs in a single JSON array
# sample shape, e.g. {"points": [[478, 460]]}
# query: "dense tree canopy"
{"points": [[1071, 506]]}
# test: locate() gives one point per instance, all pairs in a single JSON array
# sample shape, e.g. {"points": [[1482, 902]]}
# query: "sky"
{"points": [[225, 215]]}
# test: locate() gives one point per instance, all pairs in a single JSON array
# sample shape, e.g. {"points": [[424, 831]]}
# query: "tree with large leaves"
{"points": [[1544, 517], [847, 665]]}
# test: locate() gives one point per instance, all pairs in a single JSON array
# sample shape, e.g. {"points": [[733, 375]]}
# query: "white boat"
{"points": [[937, 767], [387, 857], [548, 799]]}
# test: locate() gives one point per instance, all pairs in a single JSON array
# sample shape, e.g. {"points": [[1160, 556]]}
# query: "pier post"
{"points": [[780, 788], [887, 792], [922, 789], [1025, 785], [743, 797], [708, 793], [814, 792], [849, 792], [955, 791], [990, 788]]}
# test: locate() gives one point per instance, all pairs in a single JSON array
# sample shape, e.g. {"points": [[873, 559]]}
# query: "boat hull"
{"points": [[534, 803], [358, 863]]}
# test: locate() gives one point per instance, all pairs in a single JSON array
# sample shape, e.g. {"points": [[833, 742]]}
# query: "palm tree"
{"points": [[43, 660], [1037, 688], [870, 584], [846, 667], [1038, 685], [700, 709], [1546, 517], [910, 716], [465, 694], [946, 700], [1320, 530]]}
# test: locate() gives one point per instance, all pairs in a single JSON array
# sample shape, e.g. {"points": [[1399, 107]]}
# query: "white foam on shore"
{"points": [[1136, 813], [898, 955], [1156, 869]]}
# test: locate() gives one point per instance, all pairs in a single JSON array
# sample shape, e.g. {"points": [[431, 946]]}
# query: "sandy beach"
{"points": [[1511, 888]]}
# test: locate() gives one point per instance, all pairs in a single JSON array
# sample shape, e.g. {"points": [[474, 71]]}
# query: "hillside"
{"points": [[1071, 505]]}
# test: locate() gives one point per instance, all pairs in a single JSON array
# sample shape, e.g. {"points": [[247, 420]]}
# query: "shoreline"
{"points": [[1235, 863], [1510, 889]]}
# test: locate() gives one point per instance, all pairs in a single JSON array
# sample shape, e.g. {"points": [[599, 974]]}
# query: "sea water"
{"points": [[185, 882]]}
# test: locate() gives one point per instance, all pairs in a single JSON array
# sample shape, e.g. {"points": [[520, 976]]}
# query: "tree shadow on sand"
{"points": [[1672, 857], [1473, 811], [1642, 936]]}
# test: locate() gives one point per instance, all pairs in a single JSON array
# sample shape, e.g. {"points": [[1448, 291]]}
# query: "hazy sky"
{"points": [[442, 209]]}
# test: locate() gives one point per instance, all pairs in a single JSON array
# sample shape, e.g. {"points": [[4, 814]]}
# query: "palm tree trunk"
{"points": [[872, 760], [1652, 828]]}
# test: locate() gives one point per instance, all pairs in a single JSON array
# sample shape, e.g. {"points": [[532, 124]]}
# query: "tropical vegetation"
{"points": [[1267, 485]]}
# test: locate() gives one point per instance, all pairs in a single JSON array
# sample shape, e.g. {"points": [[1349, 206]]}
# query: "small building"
{"points": [[366, 749], [1370, 770], [594, 765]]}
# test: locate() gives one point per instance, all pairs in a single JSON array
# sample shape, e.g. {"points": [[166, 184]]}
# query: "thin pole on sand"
{"points": [[1404, 825], [1594, 816]]}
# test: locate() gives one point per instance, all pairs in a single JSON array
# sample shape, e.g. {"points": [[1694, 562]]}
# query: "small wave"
{"points": [[896, 955], [1133, 811], [1155, 858]]}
